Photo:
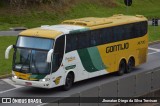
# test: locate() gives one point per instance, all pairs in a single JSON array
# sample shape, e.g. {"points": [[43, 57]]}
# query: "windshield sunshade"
{"points": [[34, 42]]}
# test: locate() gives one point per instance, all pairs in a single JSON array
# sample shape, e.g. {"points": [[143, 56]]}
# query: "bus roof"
{"points": [[52, 31], [81, 24]]}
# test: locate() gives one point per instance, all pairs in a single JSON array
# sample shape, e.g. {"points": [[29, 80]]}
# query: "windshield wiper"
{"points": [[25, 62], [35, 67]]}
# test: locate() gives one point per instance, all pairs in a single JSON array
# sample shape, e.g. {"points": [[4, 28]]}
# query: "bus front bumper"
{"points": [[39, 84]]}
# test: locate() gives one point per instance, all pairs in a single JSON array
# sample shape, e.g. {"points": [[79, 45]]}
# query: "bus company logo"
{"points": [[6, 100], [117, 47], [69, 59], [57, 80]]}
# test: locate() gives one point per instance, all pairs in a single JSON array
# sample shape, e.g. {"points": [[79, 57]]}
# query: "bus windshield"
{"points": [[31, 54], [31, 61]]}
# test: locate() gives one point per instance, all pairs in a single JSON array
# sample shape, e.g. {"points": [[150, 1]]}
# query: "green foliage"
{"points": [[3, 3], [45, 14], [6, 65], [35, 16], [154, 33]]}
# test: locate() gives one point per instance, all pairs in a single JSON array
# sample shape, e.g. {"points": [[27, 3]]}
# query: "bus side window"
{"points": [[68, 43], [95, 38], [55, 62], [106, 35], [71, 42], [140, 29], [83, 40], [129, 31], [118, 33], [58, 52], [143, 27]]}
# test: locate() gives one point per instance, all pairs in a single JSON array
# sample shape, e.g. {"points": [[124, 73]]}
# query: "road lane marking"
{"points": [[153, 53], [9, 90], [154, 49], [42, 104], [9, 81]]}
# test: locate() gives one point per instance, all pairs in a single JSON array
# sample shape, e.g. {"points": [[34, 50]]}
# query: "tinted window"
{"points": [[118, 33], [105, 35], [143, 27], [83, 40], [58, 53], [95, 37], [71, 42], [129, 31]]}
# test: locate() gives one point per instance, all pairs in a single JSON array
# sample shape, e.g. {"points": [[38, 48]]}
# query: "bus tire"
{"points": [[69, 82], [122, 67], [130, 65]]}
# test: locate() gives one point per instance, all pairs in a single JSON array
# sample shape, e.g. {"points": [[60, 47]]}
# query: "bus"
{"points": [[60, 55]]}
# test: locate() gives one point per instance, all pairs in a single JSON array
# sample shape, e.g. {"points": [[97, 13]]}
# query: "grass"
{"points": [[35, 17], [154, 33], [5, 65]]}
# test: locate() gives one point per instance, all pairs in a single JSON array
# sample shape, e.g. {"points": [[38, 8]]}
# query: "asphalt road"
{"points": [[9, 33], [8, 89]]}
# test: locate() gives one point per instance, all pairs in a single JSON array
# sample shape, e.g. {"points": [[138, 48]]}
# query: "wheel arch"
{"points": [[123, 58], [132, 57], [69, 72]]}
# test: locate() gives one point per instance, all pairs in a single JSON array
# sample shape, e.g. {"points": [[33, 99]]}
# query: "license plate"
{"points": [[28, 83]]}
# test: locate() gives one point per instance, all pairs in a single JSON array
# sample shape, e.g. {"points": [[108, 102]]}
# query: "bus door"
{"points": [[58, 54]]}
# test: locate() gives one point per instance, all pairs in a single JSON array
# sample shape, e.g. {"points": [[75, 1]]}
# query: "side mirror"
{"points": [[8, 51], [49, 55]]}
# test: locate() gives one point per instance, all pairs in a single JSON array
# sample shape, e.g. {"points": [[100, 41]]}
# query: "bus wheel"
{"points": [[130, 65], [122, 67], [69, 82]]}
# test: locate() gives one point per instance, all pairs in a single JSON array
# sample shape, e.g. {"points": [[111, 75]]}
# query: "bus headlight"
{"points": [[45, 79], [15, 77]]}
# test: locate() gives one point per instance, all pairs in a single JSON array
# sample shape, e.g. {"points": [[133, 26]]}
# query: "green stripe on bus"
{"points": [[86, 60], [96, 58], [70, 67], [79, 30]]}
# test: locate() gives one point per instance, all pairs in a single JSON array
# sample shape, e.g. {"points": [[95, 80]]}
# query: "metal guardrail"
{"points": [[151, 23], [9, 33], [134, 85]]}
